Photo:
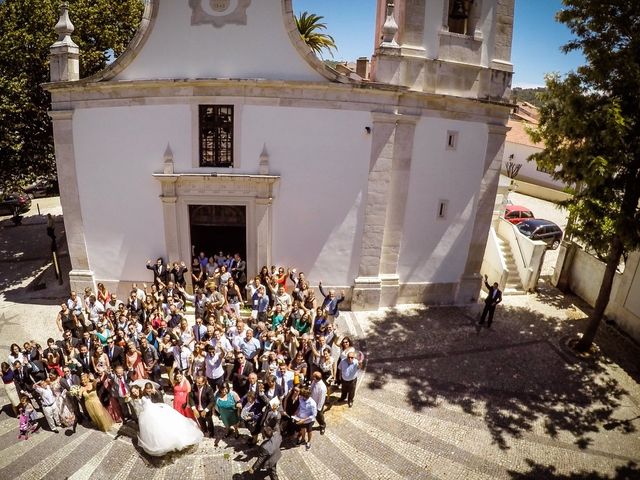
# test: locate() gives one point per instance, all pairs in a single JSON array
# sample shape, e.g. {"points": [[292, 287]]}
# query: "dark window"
{"points": [[526, 214], [216, 135], [512, 215]]}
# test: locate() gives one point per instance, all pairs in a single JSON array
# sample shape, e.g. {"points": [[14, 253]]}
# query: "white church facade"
{"points": [[219, 129]]}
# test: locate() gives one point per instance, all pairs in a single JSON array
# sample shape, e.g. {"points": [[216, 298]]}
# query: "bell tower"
{"points": [[450, 47]]}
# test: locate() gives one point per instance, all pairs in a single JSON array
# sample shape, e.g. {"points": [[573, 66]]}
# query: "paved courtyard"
{"points": [[439, 399]]}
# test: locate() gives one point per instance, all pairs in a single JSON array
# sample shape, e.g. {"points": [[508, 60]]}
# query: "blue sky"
{"points": [[537, 36]]}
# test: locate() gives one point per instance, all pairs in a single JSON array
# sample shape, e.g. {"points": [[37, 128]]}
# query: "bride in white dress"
{"points": [[161, 428]]}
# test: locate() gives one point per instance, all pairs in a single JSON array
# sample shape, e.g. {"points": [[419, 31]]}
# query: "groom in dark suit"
{"points": [[115, 353], [202, 401], [493, 298]]}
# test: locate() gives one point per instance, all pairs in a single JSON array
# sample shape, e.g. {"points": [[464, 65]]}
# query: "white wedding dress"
{"points": [[162, 429]]}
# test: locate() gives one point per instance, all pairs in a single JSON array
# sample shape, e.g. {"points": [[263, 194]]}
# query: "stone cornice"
{"points": [[226, 184], [236, 177], [361, 97]]}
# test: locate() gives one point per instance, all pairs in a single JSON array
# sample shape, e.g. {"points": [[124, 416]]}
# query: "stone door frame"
{"points": [[254, 192]]}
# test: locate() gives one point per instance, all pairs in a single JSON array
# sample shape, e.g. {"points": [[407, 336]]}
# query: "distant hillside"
{"points": [[526, 95]]}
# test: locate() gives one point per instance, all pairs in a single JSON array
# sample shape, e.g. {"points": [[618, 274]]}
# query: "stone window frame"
{"points": [[195, 132]]}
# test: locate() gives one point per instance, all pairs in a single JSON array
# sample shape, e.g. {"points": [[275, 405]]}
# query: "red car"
{"points": [[517, 213]]}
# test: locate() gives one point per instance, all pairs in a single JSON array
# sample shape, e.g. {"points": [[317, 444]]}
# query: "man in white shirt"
{"points": [[349, 369], [305, 416], [319, 394], [49, 407], [95, 310], [214, 366]]}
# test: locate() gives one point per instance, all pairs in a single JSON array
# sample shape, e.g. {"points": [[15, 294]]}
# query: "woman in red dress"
{"points": [[181, 390]]}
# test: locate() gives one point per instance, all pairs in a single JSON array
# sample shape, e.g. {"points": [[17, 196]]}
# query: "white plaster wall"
{"points": [[586, 277], [433, 249], [259, 49], [117, 150], [493, 263], [322, 156], [528, 171], [323, 159], [585, 281]]}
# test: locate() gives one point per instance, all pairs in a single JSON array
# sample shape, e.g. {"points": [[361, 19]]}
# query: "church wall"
{"points": [[321, 155], [177, 49], [117, 150], [434, 250]]}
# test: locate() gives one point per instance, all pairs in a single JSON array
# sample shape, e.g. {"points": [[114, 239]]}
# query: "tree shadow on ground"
{"points": [[544, 472], [549, 295], [515, 376], [25, 256], [616, 345]]}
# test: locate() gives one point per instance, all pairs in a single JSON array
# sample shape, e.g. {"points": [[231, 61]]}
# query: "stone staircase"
{"points": [[514, 285]]}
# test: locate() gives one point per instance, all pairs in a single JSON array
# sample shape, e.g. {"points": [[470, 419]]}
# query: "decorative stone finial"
{"points": [[168, 161], [64, 28], [64, 60], [264, 161], [389, 29]]}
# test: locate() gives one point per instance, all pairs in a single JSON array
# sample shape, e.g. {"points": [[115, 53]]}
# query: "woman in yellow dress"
{"points": [[99, 415]]}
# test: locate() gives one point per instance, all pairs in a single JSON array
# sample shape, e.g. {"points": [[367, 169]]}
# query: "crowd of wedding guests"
{"points": [[263, 354]]}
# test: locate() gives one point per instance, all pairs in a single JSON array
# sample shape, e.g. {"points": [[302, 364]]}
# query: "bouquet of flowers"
{"points": [[75, 391]]}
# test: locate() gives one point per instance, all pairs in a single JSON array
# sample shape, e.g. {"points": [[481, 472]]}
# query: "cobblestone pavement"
{"points": [[440, 400]]}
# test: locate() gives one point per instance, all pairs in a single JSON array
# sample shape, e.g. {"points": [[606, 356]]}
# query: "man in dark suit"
{"points": [[160, 271], [88, 341], [22, 377], [240, 374], [239, 271], [494, 297], [268, 453], [202, 401], [115, 353], [67, 337], [135, 306], [84, 358]]}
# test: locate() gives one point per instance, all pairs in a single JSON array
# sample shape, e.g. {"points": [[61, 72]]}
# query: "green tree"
{"points": [[589, 122], [309, 25], [103, 29]]}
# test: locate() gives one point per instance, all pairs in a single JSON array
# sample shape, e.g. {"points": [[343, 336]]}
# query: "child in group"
{"points": [[27, 418]]}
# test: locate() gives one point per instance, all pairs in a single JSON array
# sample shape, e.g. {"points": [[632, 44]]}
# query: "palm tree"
{"points": [[308, 25]]}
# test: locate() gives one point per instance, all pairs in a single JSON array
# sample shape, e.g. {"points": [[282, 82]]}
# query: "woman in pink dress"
{"points": [[181, 390], [135, 366]]}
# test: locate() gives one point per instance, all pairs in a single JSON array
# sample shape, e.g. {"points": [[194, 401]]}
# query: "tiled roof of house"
{"points": [[518, 135]]}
